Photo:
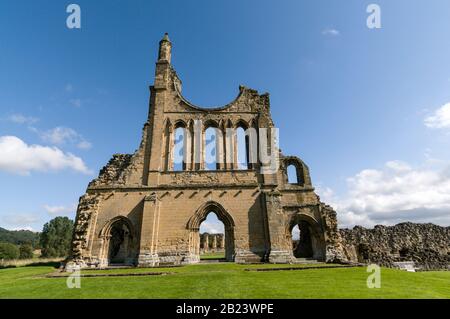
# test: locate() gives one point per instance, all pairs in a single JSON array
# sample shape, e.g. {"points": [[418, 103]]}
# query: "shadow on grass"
{"points": [[53, 264]]}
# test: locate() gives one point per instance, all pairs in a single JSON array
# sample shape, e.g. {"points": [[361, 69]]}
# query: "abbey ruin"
{"points": [[146, 209]]}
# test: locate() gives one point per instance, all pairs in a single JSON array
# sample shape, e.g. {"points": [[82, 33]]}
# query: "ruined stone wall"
{"points": [[427, 245], [113, 172], [212, 243], [160, 207]]}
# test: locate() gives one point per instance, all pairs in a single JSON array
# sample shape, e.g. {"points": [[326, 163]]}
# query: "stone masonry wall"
{"points": [[427, 245], [112, 173]]}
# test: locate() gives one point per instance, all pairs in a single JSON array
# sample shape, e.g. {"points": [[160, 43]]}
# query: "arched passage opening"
{"points": [[307, 239], [118, 242], [194, 224], [212, 238]]}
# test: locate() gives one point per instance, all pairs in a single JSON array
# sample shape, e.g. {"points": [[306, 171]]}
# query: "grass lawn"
{"points": [[208, 256], [226, 280]]}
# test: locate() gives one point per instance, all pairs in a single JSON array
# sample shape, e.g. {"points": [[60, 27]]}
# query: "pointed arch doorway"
{"points": [[194, 230], [307, 238], [118, 242]]}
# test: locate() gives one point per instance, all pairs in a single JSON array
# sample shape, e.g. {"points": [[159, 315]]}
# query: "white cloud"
{"points": [[60, 210], [440, 118], [22, 119], [23, 228], [212, 225], [68, 87], [19, 158], [398, 192], [84, 145], [61, 135], [331, 32], [20, 221], [75, 102]]}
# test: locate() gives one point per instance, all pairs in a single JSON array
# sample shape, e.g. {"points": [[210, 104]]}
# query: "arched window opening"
{"points": [[292, 174], [212, 238], [242, 148], [211, 149], [179, 149]]}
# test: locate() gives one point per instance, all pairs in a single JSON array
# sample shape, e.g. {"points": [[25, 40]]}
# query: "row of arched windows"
{"points": [[217, 150], [214, 149]]}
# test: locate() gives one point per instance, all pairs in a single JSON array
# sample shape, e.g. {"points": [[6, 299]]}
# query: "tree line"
{"points": [[54, 241]]}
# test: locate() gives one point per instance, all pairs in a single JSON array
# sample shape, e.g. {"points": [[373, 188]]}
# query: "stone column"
{"points": [[280, 248], [222, 242], [214, 242], [170, 156], [148, 254], [202, 241], [187, 148], [229, 151], [235, 150], [206, 241], [220, 149], [198, 145], [166, 147]]}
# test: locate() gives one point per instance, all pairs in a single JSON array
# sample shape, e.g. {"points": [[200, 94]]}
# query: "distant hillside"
{"points": [[19, 237]]}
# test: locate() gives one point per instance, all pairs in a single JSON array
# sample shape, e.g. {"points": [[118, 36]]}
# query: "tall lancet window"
{"points": [[242, 140], [179, 149], [211, 154], [292, 174]]}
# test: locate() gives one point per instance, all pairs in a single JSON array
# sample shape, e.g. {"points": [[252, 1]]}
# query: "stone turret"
{"points": [[165, 49]]}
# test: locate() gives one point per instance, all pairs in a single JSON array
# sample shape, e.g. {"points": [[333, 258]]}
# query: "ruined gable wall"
{"points": [[124, 169]]}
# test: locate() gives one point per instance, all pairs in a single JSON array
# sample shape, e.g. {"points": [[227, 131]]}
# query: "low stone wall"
{"points": [[428, 245]]}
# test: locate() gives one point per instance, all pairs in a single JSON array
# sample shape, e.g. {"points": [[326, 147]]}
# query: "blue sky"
{"points": [[364, 108]]}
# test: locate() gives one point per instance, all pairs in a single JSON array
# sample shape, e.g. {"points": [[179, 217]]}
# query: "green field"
{"points": [[209, 256], [226, 280]]}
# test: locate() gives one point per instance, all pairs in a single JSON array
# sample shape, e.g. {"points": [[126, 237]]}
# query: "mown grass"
{"points": [[30, 262], [227, 280], [209, 256]]}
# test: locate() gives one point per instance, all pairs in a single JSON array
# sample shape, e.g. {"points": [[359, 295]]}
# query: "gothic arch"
{"points": [[180, 123], [106, 229], [313, 235], [210, 123], [202, 212], [241, 124], [302, 170], [119, 241], [193, 225]]}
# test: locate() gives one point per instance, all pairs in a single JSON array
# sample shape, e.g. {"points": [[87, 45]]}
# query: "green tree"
{"points": [[56, 237], [19, 237], [8, 251], [26, 251]]}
